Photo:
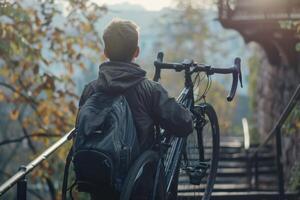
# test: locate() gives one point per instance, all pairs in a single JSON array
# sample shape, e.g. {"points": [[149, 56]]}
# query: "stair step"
{"points": [[239, 170], [194, 155], [243, 158], [220, 188], [229, 173], [267, 180], [232, 175], [243, 164], [184, 179], [252, 195], [217, 187]]}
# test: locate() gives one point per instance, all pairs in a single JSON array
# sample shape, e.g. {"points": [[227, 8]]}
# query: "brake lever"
{"points": [[240, 78], [237, 76], [160, 57]]}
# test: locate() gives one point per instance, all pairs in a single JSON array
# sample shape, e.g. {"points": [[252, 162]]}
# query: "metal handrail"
{"points": [[276, 131], [284, 115], [24, 170]]}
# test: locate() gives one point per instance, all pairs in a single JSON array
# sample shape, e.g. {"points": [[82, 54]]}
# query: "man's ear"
{"points": [[137, 52]]}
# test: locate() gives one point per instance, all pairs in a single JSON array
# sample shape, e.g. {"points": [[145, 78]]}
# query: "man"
{"points": [[149, 101]]}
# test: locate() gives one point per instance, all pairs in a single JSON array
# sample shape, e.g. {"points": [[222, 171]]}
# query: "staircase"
{"points": [[234, 180]]}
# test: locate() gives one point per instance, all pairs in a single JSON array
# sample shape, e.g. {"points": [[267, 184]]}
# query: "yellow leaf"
{"points": [[49, 93], [16, 95], [80, 42], [70, 68], [14, 78], [298, 124], [86, 27], [26, 123], [4, 71], [46, 120], [2, 97], [81, 65], [14, 115]]}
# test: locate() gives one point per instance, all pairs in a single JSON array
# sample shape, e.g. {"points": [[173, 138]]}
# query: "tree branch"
{"points": [[20, 139], [26, 135], [20, 93], [51, 188]]}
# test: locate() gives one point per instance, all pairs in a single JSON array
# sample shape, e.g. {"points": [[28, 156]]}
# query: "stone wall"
{"points": [[275, 86]]}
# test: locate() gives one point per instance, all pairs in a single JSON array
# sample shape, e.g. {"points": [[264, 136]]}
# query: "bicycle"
{"points": [[195, 155]]}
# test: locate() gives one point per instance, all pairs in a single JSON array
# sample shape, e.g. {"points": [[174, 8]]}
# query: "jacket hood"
{"points": [[116, 77]]}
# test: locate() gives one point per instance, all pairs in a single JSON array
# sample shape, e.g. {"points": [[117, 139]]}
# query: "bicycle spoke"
{"points": [[199, 169]]}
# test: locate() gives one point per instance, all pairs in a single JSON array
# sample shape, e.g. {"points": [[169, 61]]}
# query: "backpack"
{"points": [[104, 146]]}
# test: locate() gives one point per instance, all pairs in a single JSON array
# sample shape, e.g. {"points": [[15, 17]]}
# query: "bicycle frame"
{"points": [[175, 144]]}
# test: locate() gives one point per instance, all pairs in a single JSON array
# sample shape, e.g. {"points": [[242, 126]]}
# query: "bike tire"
{"points": [[209, 113], [148, 157]]}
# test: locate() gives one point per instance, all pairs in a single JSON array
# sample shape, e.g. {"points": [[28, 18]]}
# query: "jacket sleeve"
{"points": [[170, 115]]}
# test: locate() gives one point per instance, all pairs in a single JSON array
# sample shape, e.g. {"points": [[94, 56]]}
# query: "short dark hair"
{"points": [[121, 40]]}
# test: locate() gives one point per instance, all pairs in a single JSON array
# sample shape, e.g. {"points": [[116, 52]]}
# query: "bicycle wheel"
{"points": [[139, 183], [200, 158]]}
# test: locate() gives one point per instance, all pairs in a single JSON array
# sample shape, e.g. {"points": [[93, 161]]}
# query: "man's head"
{"points": [[121, 40]]}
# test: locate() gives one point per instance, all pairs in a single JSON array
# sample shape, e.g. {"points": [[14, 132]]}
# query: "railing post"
{"points": [[279, 164], [256, 171], [249, 169], [22, 186]]}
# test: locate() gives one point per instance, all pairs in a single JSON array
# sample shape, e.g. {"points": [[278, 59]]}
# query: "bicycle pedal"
{"points": [[196, 177]]}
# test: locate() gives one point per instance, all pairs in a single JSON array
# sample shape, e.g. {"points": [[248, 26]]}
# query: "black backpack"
{"points": [[104, 147]]}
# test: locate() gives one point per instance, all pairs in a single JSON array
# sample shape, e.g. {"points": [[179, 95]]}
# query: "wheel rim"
{"points": [[197, 163], [145, 174]]}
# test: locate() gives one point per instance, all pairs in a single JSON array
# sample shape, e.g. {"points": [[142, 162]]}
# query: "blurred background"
{"points": [[49, 50]]}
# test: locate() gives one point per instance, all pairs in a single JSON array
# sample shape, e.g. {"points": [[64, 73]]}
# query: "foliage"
{"points": [[291, 131], [291, 25], [186, 31], [225, 111], [294, 182], [42, 45], [292, 124], [254, 65], [187, 35]]}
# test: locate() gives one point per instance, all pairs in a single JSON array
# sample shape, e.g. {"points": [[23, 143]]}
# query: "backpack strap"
{"points": [[66, 174], [88, 91]]}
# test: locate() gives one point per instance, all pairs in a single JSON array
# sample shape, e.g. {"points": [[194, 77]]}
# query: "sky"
{"points": [[148, 4]]}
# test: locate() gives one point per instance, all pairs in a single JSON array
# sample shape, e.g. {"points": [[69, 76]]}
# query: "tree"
{"points": [[187, 35], [42, 45]]}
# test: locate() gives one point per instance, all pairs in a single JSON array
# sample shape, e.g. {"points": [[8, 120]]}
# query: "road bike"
{"points": [[194, 156]]}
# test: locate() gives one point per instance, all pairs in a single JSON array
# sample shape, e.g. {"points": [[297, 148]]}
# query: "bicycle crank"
{"points": [[197, 173]]}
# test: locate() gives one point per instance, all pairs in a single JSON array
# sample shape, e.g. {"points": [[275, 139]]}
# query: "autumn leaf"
{"points": [[46, 119], [14, 115], [86, 27], [36, 69], [4, 71], [298, 124], [72, 107], [2, 97], [37, 61]]}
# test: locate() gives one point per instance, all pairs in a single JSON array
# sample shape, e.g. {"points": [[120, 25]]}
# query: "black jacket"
{"points": [[148, 100]]}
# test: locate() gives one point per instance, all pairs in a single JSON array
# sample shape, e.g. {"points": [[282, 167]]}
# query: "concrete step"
{"points": [[263, 180], [252, 195], [232, 176], [217, 187]]}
